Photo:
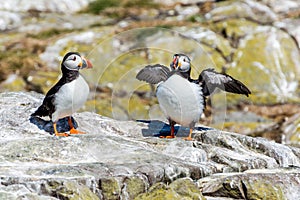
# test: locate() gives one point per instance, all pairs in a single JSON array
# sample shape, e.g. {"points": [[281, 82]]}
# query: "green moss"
{"points": [[100, 105], [141, 3], [44, 79], [157, 192], [134, 186], [186, 188], [234, 28], [261, 66], [110, 188], [196, 18], [139, 108], [181, 189], [20, 61], [97, 6], [262, 189], [49, 33], [16, 85], [73, 191], [230, 8]]}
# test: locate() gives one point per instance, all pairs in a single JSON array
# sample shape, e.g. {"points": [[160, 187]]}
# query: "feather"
{"points": [[153, 73], [210, 80]]}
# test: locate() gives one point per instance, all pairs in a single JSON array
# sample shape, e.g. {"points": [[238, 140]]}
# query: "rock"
{"points": [[253, 184], [290, 5], [248, 9], [278, 49], [52, 56], [292, 27], [9, 20], [291, 131], [70, 190], [183, 188], [65, 6], [124, 159]]}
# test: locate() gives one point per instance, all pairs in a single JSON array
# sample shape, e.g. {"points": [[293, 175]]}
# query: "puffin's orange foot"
{"points": [[170, 136], [167, 137], [74, 131], [62, 134], [188, 138]]}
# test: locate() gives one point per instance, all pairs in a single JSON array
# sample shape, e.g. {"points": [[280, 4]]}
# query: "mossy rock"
{"points": [[241, 10], [234, 28], [17, 84], [157, 192], [181, 189], [68, 190], [264, 189], [267, 65], [73, 191], [110, 188], [186, 188], [44, 79], [134, 186]]}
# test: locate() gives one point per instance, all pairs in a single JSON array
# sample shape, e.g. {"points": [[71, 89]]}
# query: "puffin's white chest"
{"points": [[180, 100], [70, 97]]}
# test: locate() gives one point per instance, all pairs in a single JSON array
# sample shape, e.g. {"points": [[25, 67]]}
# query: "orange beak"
{"points": [[173, 64], [86, 63]]}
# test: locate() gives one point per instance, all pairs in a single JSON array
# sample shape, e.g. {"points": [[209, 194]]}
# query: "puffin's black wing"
{"points": [[153, 73], [210, 80], [48, 108]]}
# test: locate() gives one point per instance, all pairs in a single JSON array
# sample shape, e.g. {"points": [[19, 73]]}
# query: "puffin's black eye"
{"points": [[74, 58], [184, 60]]}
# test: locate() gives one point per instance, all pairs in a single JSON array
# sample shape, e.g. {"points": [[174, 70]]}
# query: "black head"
{"points": [[181, 63], [73, 61]]}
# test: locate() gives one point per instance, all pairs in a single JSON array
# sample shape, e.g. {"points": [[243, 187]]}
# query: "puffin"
{"points": [[181, 98], [68, 94]]}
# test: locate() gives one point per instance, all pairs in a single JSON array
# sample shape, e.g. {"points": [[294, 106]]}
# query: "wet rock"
{"points": [[114, 159]]}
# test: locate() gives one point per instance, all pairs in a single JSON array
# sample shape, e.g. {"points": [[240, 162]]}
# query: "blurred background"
{"points": [[255, 41]]}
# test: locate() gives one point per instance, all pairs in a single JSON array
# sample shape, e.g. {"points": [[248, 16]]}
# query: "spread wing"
{"points": [[153, 73], [210, 80]]}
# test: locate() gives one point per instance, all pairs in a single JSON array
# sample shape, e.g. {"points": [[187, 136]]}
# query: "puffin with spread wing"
{"points": [[181, 98]]}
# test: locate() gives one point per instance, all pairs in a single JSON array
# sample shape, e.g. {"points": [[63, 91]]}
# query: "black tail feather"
{"points": [[41, 111]]}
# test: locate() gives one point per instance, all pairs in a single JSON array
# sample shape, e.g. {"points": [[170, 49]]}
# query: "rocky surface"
{"points": [[65, 6], [125, 159]]}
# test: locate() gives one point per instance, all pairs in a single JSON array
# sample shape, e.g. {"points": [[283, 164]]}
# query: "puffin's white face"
{"points": [[181, 63], [73, 62], [184, 63]]}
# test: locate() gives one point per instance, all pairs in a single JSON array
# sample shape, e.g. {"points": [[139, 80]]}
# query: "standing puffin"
{"points": [[181, 98], [68, 94]]}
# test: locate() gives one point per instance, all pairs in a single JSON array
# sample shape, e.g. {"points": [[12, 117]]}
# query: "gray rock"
{"points": [[114, 159], [253, 184], [65, 6], [250, 9], [9, 20]]}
